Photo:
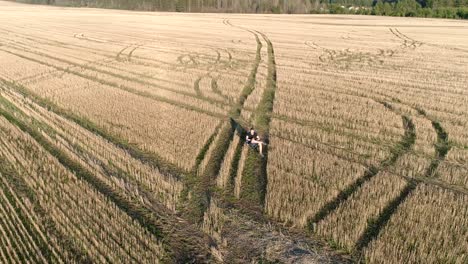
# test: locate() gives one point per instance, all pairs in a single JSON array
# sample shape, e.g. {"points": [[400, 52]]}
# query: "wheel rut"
{"points": [[202, 186], [405, 144], [254, 178], [119, 86], [376, 226], [140, 80]]}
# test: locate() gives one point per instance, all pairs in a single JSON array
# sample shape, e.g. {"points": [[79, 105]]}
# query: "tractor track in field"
{"points": [[229, 58], [106, 56], [407, 41], [373, 229], [255, 183], [312, 124], [205, 61], [116, 75], [213, 86], [320, 126], [218, 57], [122, 57], [441, 149], [203, 186], [118, 57], [196, 86], [255, 178], [130, 54], [418, 179], [253, 188], [120, 86], [400, 149], [252, 87], [235, 117], [433, 181], [134, 39], [147, 158], [215, 89], [354, 77], [346, 57], [206, 189], [153, 63], [49, 42], [141, 76]]}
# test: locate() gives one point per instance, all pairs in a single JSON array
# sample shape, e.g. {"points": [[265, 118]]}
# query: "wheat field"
{"points": [[122, 138]]}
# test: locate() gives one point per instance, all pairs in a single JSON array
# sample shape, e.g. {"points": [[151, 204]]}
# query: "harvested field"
{"points": [[122, 138]]}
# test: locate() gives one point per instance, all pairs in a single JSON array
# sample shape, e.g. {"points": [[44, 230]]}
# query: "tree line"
{"points": [[430, 8], [417, 8]]}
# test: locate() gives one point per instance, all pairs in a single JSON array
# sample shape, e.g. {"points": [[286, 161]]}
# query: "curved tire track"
{"points": [[407, 41], [442, 147], [401, 148], [202, 186]]}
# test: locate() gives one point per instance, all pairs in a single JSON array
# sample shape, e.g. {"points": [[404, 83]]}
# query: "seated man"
{"points": [[253, 140]]}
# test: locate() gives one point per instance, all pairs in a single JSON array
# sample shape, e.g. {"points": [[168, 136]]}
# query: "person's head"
{"points": [[252, 130]]}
